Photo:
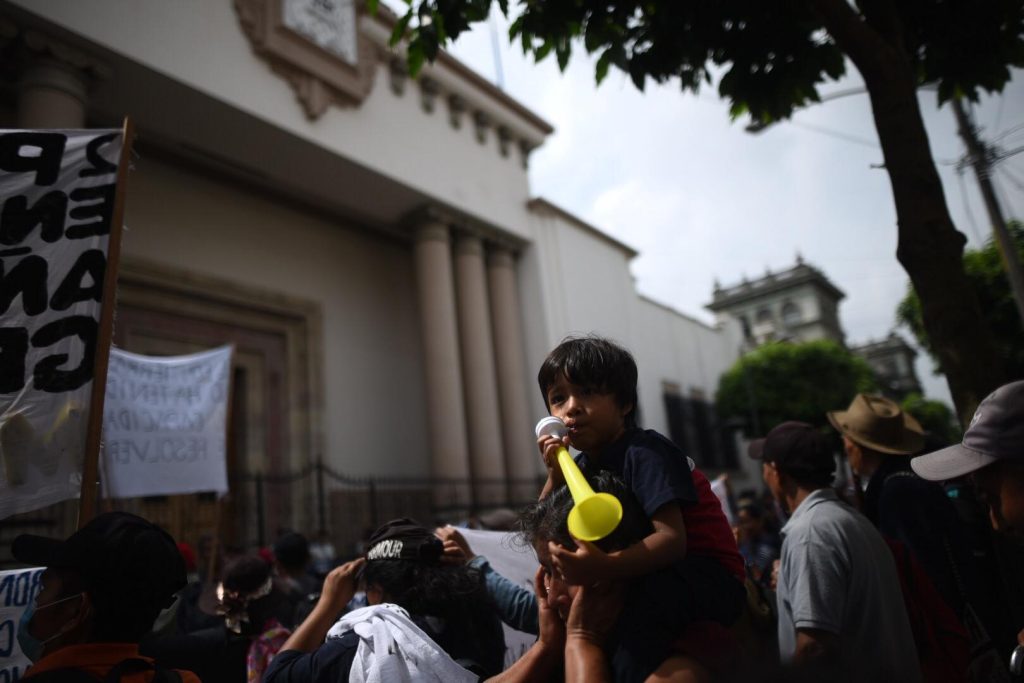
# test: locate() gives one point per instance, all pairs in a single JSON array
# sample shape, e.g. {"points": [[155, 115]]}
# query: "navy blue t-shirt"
{"points": [[329, 663], [653, 467]]}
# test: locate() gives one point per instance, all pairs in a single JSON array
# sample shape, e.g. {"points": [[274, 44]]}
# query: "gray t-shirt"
{"points": [[837, 575]]}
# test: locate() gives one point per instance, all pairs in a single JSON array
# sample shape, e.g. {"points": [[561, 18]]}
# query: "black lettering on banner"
{"points": [[45, 163], [28, 278], [100, 166], [7, 631], [13, 349], [93, 263], [48, 375], [18, 220], [103, 210]]}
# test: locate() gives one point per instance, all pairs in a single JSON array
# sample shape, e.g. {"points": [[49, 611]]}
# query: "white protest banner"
{"points": [[18, 588], [59, 196], [164, 423], [509, 557]]}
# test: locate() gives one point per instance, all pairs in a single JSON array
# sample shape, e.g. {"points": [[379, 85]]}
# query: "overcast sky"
{"points": [[669, 174]]}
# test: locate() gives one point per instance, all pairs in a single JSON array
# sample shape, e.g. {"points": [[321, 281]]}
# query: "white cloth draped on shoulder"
{"points": [[392, 649]]}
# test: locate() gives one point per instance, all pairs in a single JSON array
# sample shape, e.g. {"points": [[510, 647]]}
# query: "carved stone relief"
{"points": [[316, 57]]}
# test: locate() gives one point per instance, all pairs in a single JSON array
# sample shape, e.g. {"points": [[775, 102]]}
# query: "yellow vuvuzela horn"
{"points": [[594, 515]]}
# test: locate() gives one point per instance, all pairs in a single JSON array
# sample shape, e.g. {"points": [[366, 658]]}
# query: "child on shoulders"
{"points": [[693, 570]]}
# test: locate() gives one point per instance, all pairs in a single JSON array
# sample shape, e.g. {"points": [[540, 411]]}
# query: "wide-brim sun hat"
{"points": [[879, 424]]}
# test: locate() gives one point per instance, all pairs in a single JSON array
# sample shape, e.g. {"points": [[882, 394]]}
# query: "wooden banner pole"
{"points": [[90, 468]]}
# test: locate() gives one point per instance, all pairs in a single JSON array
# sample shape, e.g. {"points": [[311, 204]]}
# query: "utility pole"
{"points": [[978, 153]]}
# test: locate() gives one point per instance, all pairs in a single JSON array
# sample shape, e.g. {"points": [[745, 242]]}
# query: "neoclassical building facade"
{"points": [[368, 241]]}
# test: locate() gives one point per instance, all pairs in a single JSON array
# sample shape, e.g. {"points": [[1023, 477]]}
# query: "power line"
{"points": [[837, 134], [1007, 133], [1011, 177]]}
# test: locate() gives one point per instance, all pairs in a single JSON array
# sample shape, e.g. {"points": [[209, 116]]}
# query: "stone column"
{"points": [[486, 446], [439, 327], [521, 456], [51, 94]]}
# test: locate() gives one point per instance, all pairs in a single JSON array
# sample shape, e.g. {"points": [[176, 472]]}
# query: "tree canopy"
{"points": [[936, 418], [769, 59], [987, 276], [772, 56], [785, 381]]}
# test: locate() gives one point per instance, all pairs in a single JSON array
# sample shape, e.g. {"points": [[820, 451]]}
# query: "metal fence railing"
{"points": [[261, 505]]}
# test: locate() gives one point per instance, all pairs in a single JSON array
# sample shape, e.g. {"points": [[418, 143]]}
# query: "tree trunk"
{"points": [[930, 248]]}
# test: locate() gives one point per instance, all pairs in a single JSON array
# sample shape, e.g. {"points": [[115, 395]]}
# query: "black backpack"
{"points": [[125, 666]]}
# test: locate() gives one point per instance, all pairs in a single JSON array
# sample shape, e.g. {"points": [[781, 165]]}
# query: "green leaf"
{"points": [[637, 74], [605, 60], [399, 31], [415, 57], [371, 6], [562, 53]]}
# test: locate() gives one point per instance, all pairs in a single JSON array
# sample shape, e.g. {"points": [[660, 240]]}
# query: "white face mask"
{"points": [[31, 646]]}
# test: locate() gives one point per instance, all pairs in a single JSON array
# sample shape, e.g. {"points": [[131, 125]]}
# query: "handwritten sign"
{"points": [[57, 192], [18, 588], [164, 423]]}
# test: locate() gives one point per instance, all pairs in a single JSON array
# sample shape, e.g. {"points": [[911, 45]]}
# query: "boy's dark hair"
{"points": [[596, 362], [547, 519]]}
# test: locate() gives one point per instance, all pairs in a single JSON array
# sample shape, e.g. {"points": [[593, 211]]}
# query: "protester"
{"points": [[248, 633], [426, 620], [590, 383], [992, 453], [324, 557], [292, 561], [101, 592], [878, 439], [839, 596], [645, 629], [758, 547], [516, 606]]}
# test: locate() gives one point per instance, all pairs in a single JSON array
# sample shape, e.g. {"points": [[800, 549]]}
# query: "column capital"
{"points": [[470, 243], [500, 255], [433, 232], [459, 222], [55, 52]]}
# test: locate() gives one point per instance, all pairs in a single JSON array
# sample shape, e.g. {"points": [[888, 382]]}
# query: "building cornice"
{"points": [[540, 205], [727, 297]]}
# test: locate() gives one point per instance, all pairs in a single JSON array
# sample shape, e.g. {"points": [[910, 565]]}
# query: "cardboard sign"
{"points": [[164, 424], [18, 589], [57, 197], [511, 559]]}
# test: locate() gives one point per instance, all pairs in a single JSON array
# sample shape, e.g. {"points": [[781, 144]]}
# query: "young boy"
{"points": [[691, 566]]}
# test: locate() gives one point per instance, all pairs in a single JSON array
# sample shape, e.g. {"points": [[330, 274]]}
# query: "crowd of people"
{"points": [[895, 579]]}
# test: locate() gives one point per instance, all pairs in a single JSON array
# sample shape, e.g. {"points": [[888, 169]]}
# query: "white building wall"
{"points": [[201, 44], [585, 285], [373, 417]]}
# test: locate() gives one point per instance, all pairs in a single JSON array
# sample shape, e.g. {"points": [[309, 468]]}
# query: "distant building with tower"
{"points": [[797, 304], [801, 304], [892, 359]]}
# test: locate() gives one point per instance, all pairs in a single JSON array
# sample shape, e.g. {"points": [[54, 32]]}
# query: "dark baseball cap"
{"points": [[404, 539], [795, 448], [118, 555], [996, 433]]}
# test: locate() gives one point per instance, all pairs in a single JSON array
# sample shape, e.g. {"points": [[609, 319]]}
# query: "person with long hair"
{"points": [[426, 620]]}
